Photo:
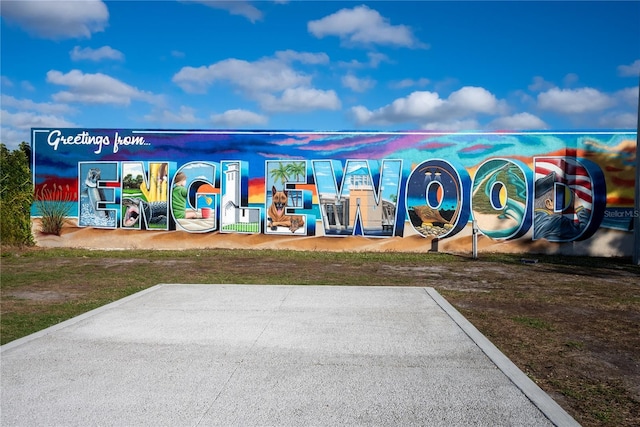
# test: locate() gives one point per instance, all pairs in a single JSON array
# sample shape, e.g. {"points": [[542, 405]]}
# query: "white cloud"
{"points": [[105, 52], [272, 82], [472, 99], [177, 54], [301, 99], [357, 84], [574, 101], [619, 121], [234, 7], [238, 118], [624, 114], [97, 89], [628, 96], [5, 82], [445, 84], [427, 108], [418, 106], [539, 84], [27, 120], [374, 60], [520, 121], [18, 116], [59, 19], [27, 86], [303, 57], [12, 137], [523, 97], [363, 115], [362, 25], [263, 75], [570, 79], [184, 115], [405, 83], [16, 127], [631, 70], [452, 125], [10, 102]]}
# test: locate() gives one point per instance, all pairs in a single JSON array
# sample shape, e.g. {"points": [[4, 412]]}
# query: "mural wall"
{"points": [[533, 188]]}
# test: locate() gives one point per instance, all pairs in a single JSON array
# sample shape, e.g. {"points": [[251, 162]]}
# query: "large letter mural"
{"points": [[358, 200], [438, 198], [236, 215], [194, 198], [570, 197], [571, 190], [145, 196], [99, 184], [501, 198], [286, 197]]}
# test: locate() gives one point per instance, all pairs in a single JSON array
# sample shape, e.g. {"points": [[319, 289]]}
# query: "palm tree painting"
{"points": [[280, 173], [297, 169], [284, 173]]}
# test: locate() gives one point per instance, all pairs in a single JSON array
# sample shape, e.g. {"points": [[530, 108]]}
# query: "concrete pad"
{"points": [[254, 355]]}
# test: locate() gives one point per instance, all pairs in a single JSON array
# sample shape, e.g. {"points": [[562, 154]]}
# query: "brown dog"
{"points": [[276, 212]]}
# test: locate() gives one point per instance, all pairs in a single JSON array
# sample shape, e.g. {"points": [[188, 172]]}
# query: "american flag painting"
{"points": [[579, 198], [573, 175]]}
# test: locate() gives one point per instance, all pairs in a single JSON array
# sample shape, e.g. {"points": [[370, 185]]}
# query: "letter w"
{"points": [[358, 199]]}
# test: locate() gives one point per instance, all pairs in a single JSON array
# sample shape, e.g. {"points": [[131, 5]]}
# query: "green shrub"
{"points": [[16, 196]]}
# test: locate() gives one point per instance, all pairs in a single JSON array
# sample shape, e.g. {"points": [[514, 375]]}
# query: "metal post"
{"points": [[474, 235], [636, 211]]}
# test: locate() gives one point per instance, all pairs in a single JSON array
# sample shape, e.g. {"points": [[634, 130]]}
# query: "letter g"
{"points": [[54, 142]]}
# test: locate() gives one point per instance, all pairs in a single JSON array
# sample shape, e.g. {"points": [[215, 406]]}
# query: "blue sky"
{"points": [[318, 65]]}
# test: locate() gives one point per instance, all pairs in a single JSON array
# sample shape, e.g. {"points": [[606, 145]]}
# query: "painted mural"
{"points": [[536, 187]]}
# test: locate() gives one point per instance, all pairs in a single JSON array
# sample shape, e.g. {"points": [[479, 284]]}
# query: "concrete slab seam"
{"points": [[253, 345], [76, 319], [534, 393]]}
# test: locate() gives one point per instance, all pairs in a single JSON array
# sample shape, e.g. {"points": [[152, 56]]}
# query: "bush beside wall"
{"points": [[16, 195]]}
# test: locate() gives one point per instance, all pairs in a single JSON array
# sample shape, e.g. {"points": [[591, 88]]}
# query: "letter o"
{"points": [[501, 198], [436, 198]]}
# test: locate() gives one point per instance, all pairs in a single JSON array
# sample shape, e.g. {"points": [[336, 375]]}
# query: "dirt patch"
{"points": [[41, 295]]}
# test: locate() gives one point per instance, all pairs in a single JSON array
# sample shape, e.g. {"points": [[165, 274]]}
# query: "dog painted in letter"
{"points": [[276, 212]]}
